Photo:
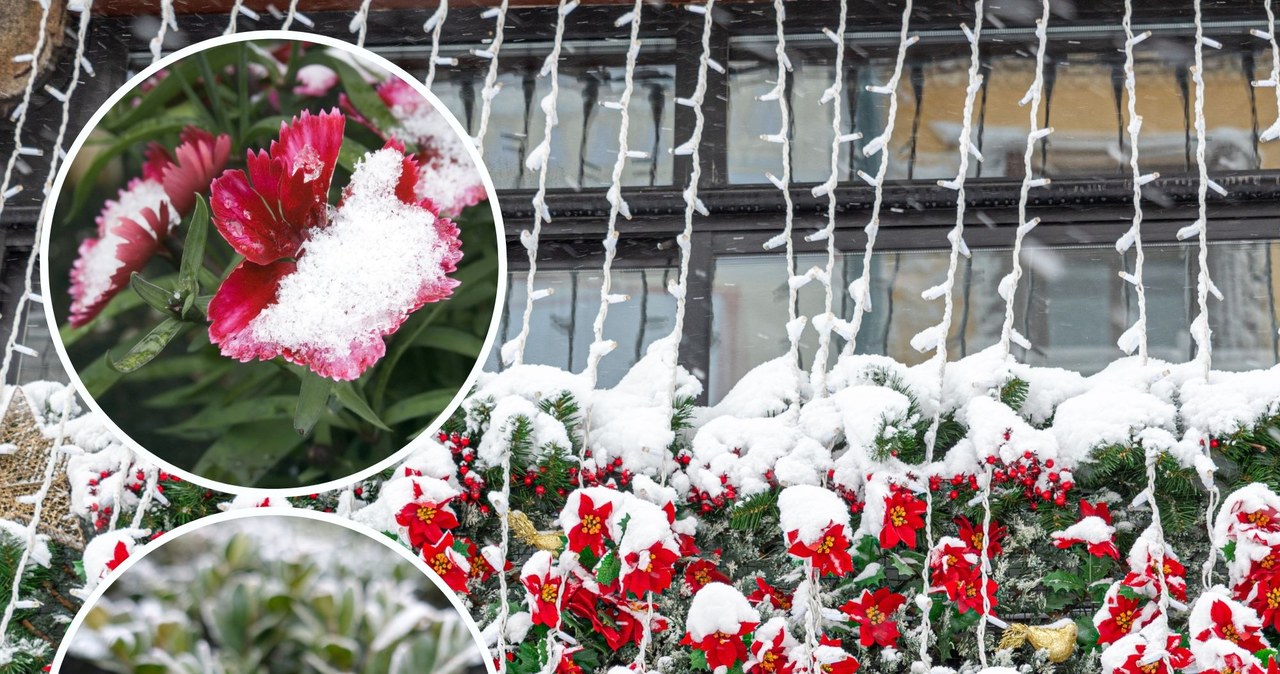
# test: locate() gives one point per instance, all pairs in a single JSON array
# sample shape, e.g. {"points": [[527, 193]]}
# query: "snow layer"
{"points": [[718, 608]]}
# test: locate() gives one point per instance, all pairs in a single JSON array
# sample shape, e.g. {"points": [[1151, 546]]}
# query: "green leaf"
{"points": [[217, 417], [350, 154], [452, 339], [312, 401], [608, 569], [425, 404], [99, 377], [193, 254], [153, 295], [148, 347], [247, 452], [748, 514], [354, 401], [697, 659], [1064, 581]]}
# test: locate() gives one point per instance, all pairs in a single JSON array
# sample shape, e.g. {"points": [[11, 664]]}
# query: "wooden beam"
{"points": [[152, 7]]}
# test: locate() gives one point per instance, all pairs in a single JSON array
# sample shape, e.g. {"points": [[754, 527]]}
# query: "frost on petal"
{"points": [[130, 230], [315, 80], [264, 214], [199, 158], [356, 280], [246, 292], [447, 176]]}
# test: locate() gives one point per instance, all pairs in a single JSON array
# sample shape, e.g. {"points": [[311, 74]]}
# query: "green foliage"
{"points": [[751, 513]]}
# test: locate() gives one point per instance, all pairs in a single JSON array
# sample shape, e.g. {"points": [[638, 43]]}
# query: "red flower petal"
{"points": [[241, 297], [198, 159]]}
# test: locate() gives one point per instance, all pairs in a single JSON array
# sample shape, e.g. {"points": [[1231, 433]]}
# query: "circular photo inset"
{"points": [[273, 262], [269, 593]]}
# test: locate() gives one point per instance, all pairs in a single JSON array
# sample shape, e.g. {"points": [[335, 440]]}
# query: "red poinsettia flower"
{"points": [[967, 594], [448, 176], [323, 288], [426, 520], [1225, 627], [1094, 530], [481, 569], [1100, 510], [872, 612], [1233, 663], [779, 599], [902, 519], [121, 553], [544, 594], [649, 571], [447, 563], [771, 656], [702, 571], [566, 664], [972, 534], [590, 533], [1262, 593], [721, 648], [1178, 658], [951, 560], [197, 159], [841, 663], [829, 552], [1123, 615]]}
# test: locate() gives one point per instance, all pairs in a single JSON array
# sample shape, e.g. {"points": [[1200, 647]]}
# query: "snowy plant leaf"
{"points": [[427, 403], [351, 153], [608, 569], [1066, 581], [193, 255], [313, 397], [697, 659], [148, 347], [216, 418], [153, 295], [362, 95], [354, 401], [245, 453], [451, 339]]}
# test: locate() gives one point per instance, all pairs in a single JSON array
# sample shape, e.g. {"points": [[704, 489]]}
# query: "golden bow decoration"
{"points": [[525, 532], [1058, 638]]}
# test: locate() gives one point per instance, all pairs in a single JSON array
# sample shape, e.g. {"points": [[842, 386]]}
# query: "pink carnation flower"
{"points": [[132, 227], [315, 80], [447, 175], [320, 286]]}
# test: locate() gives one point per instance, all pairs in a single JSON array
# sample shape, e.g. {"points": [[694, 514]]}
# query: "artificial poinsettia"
{"points": [[120, 554], [543, 584], [1119, 616], [702, 571], [722, 649], [777, 598], [972, 534], [833, 659], [903, 517], [829, 552], [872, 613], [969, 593], [1138, 659], [648, 571], [590, 532], [425, 519], [1094, 530], [1240, 630], [481, 569], [1262, 594], [770, 649], [322, 287], [447, 563]]}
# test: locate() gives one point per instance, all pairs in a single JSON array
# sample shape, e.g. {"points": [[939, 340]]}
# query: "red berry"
{"points": [[464, 469], [1213, 443], [540, 490], [528, 479], [953, 494], [1048, 463], [1028, 455], [484, 510]]}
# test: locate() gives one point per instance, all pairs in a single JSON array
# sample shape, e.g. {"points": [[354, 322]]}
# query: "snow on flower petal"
{"points": [[131, 228], [356, 279]]}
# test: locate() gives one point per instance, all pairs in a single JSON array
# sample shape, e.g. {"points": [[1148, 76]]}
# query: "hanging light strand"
{"points": [[491, 85], [360, 22], [1009, 284], [168, 20], [824, 323], [935, 337], [860, 289], [435, 26]]}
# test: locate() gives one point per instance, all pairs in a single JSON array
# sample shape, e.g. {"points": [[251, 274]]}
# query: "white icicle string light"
{"points": [[539, 157], [1136, 336], [37, 511], [861, 289], [292, 16], [936, 336], [1200, 331], [1009, 284], [504, 520], [1152, 457], [24, 106], [491, 87], [167, 20], [435, 26], [783, 138], [692, 203], [617, 204], [360, 22], [825, 322], [1272, 132]]}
